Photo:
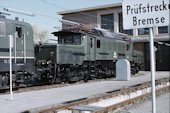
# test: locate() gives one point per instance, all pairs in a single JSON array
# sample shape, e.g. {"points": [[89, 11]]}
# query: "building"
{"points": [[110, 17]]}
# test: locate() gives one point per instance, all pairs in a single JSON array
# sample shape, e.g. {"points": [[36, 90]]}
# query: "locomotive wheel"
{"points": [[86, 78], [16, 85], [58, 81], [51, 79], [133, 70], [137, 69]]}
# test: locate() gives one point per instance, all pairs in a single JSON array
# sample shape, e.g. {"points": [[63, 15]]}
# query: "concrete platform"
{"points": [[49, 97]]}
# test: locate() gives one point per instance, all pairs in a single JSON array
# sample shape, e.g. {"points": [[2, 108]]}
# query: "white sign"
{"points": [[145, 13]]}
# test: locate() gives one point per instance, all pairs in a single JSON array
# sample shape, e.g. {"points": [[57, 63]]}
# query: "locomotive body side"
{"points": [[22, 50], [138, 61]]}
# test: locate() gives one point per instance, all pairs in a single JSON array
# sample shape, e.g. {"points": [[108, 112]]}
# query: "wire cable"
{"points": [[90, 15]]}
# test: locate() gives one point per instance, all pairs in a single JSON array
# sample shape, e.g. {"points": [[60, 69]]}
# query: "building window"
{"points": [[98, 43], [163, 29], [143, 31], [107, 22], [121, 30]]}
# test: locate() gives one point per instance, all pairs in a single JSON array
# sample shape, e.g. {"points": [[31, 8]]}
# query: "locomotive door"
{"points": [[19, 41], [92, 49]]}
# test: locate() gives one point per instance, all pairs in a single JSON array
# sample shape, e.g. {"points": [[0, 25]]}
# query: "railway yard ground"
{"points": [[100, 96], [145, 106]]}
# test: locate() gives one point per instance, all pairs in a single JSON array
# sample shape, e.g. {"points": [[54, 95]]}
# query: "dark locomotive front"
{"points": [[61, 62]]}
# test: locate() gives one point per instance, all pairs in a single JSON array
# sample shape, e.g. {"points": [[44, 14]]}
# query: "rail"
{"points": [[89, 101]]}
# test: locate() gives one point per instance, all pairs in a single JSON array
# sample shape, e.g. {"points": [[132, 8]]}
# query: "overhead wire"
{"points": [[57, 6], [39, 14]]}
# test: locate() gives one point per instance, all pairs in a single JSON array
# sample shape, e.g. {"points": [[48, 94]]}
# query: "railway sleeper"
{"points": [[92, 102]]}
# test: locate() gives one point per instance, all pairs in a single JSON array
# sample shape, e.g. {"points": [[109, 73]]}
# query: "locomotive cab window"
{"points": [[61, 39], [69, 39], [98, 43], [77, 39], [74, 39], [19, 31]]}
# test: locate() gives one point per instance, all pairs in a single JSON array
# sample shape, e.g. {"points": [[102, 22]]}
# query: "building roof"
{"points": [[90, 9]]}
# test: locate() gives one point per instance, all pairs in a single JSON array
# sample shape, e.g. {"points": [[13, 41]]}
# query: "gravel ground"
{"points": [[162, 105], [43, 98]]}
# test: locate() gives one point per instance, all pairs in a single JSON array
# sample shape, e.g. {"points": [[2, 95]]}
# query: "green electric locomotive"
{"points": [[22, 51], [82, 56]]}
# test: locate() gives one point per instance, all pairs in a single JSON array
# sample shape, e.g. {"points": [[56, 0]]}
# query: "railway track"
{"points": [[25, 88], [162, 85]]}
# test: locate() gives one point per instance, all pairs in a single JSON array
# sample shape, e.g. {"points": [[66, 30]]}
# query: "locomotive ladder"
{"points": [[23, 43]]}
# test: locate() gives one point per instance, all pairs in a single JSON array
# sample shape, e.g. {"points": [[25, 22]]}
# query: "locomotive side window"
{"points": [[77, 39], [91, 42], [98, 43], [2, 29], [19, 31], [127, 47]]}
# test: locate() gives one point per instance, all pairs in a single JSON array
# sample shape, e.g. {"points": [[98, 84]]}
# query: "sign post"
{"points": [[147, 14], [152, 67], [10, 63]]}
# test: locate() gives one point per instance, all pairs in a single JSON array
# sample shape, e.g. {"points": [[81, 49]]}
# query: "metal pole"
{"points": [[10, 52], [152, 67]]}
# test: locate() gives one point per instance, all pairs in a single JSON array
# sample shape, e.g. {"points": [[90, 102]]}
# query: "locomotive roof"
{"points": [[14, 21], [108, 34], [10, 24], [64, 32], [94, 32]]}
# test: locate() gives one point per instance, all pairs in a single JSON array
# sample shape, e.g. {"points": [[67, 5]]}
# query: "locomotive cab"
{"points": [[54, 61], [70, 49], [69, 38]]}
